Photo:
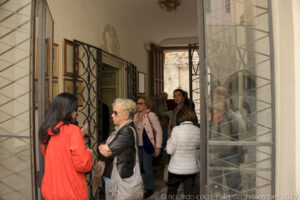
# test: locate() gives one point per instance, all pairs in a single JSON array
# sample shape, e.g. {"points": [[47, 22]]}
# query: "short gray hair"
{"points": [[126, 105]]}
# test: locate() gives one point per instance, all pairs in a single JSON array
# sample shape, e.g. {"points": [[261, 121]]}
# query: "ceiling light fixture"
{"points": [[169, 5]]}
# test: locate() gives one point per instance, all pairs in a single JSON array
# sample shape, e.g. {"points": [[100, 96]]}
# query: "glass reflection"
{"points": [[239, 101]]}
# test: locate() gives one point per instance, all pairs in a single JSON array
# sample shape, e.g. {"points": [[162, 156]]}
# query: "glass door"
{"points": [[239, 108], [43, 79], [16, 109]]}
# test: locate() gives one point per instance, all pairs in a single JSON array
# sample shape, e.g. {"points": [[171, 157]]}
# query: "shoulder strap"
{"points": [[136, 149], [150, 120], [134, 134]]}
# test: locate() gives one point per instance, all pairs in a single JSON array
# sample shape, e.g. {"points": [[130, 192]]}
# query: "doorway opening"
{"points": [[176, 71], [109, 87]]}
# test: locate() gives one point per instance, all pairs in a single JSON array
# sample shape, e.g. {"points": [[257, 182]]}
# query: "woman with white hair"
{"points": [[120, 143]]}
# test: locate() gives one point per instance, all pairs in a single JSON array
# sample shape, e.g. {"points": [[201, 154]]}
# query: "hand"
{"points": [[104, 150], [84, 127], [157, 151], [90, 150], [86, 139]]}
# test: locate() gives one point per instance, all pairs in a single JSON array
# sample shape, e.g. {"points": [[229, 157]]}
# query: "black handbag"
{"points": [[147, 143]]}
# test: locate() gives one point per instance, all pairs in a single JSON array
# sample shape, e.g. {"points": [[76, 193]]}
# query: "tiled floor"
{"points": [[159, 193]]}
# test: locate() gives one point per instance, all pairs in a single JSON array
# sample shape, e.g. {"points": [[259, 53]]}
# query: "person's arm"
{"points": [[104, 151], [171, 143], [121, 141], [81, 157]]}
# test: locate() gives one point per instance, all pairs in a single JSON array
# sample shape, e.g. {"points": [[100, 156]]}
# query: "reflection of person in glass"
{"points": [[225, 125]]}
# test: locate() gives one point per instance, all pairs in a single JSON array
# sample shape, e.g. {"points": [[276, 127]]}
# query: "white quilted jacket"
{"points": [[182, 146]]}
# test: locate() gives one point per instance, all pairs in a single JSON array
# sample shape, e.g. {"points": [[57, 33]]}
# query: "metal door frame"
{"points": [[88, 84], [40, 11]]}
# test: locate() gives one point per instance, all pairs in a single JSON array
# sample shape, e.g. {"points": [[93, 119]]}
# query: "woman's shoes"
{"points": [[148, 193]]}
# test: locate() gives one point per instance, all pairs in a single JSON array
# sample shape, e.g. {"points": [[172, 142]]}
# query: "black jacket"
{"points": [[122, 146]]}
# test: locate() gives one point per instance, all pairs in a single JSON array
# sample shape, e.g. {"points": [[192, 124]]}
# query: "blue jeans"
{"points": [[107, 182], [146, 163]]}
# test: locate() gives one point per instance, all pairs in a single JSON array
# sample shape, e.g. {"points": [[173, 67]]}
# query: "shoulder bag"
{"points": [[128, 188]]}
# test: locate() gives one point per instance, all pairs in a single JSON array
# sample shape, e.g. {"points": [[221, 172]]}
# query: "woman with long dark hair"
{"points": [[66, 158], [181, 100]]}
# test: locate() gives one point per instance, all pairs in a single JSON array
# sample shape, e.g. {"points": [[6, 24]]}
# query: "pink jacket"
{"points": [[149, 129]]}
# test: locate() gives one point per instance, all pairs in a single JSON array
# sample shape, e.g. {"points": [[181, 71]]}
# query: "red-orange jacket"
{"points": [[66, 162]]}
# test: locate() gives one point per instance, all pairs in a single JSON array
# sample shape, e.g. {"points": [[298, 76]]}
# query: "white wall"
{"points": [[137, 22], [296, 15], [287, 59]]}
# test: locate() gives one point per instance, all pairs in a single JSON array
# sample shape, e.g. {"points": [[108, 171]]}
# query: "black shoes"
{"points": [[148, 193]]}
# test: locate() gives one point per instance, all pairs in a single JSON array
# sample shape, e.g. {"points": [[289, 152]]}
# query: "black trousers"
{"points": [[174, 181]]}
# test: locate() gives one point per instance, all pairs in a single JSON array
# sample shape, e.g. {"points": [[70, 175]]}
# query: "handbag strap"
{"points": [[136, 149], [150, 122]]}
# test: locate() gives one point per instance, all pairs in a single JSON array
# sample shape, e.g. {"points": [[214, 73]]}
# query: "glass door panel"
{"points": [[239, 103]]}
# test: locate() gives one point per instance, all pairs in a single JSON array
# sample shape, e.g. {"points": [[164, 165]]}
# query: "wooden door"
{"points": [[157, 70], [109, 94]]}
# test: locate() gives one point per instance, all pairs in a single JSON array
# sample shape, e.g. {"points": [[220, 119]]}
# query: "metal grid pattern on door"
{"points": [[87, 67], [194, 76], [240, 105], [131, 81], [15, 106], [87, 62]]}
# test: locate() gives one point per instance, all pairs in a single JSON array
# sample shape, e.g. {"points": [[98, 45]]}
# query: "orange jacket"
{"points": [[66, 162]]}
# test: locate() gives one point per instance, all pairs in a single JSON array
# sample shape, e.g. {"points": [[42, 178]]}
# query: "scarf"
{"points": [[114, 133]]}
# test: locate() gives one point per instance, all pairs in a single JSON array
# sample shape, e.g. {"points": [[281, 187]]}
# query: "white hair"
{"points": [[126, 105]]}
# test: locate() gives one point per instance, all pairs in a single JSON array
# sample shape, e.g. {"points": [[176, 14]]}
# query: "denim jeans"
{"points": [[107, 181], [146, 163]]}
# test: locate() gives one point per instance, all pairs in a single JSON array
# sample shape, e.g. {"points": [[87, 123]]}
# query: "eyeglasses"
{"points": [[139, 103], [115, 112]]}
